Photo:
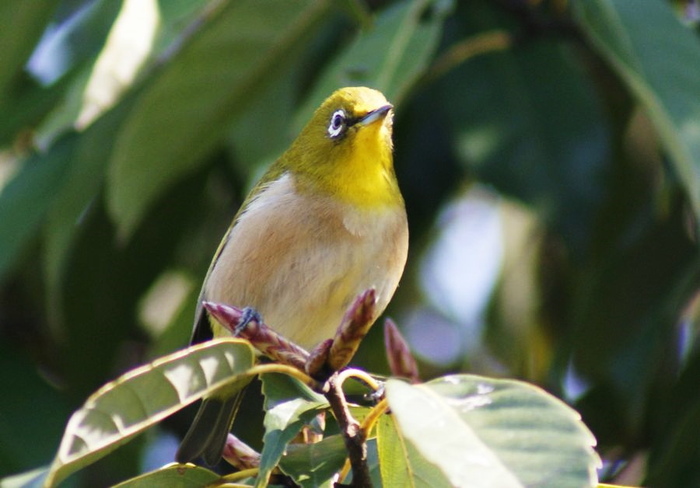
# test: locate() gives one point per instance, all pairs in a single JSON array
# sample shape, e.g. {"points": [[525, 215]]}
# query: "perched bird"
{"points": [[326, 222]]}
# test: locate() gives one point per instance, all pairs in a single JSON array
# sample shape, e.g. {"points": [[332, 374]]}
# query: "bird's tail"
{"points": [[209, 430]]}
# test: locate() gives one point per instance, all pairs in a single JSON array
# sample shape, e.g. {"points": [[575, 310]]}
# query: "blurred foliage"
{"points": [[548, 152]]}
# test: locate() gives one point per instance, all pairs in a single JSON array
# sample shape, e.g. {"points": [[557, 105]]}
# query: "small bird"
{"points": [[326, 222]]}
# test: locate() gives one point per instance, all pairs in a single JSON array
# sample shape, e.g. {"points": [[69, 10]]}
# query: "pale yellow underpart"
{"points": [[301, 262]]}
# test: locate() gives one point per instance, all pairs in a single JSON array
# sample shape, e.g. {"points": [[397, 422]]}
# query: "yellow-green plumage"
{"points": [[326, 222]]}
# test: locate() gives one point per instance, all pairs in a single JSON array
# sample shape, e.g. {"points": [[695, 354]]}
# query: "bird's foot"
{"points": [[249, 315]]}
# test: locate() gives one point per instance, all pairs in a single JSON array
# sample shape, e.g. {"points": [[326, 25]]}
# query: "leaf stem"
{"points": [[289, 371], [239, 475], [496, 40], [374, 415], [359, 374]]}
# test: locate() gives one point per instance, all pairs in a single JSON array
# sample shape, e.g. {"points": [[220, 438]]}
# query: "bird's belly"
{"points": [[302, 273]]}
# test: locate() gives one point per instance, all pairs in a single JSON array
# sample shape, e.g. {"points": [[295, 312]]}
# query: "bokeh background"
{"points": [[548, 152]]}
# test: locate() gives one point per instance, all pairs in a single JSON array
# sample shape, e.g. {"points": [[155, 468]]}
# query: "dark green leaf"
{"points": [[529, 124], [289, 406], [389, 56], [23, 25], [659, 61], [314, 465], [26, 199], [173, 476], [28, 443]]}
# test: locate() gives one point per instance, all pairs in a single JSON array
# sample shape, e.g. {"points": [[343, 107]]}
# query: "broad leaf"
{"points": [[27, 444], [23, 25], [526, 122], [483, 433], [401, 465], [389, 56], [28, 196], [659, 60], [173, 476], [82, 183], [314, 465], [289, 406], [31, 479], [189, 104], [142, 397]]}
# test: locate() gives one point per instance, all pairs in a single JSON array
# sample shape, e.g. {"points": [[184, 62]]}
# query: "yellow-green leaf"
{"points": [[173, 476], [142, 397], [487, 433]]}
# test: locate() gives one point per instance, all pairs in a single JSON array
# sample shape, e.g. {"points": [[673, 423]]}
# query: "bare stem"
{"points": [[353, 435]]}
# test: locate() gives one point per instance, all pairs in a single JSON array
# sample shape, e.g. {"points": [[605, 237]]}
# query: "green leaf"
{"points": [[484, 432], [314, 465], [389, 56], [34, 104], [659, 60], [23, 25], [289, 405], [28, 196], [532, 126], [142, 397], [280, 389], [173, 476], [33, 412], [187, 107], [82, 183], [31, 479], [400, 462]]}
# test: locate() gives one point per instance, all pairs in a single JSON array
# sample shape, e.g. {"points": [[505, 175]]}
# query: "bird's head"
{"points": [[346, 147]]}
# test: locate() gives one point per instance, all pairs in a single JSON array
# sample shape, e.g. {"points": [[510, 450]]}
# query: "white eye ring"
{"points": [[337, 125]]}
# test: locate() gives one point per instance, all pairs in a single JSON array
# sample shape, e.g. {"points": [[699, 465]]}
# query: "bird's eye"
{"points": [[337, 125]]}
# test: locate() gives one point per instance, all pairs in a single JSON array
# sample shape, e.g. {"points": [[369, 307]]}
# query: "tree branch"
{"points": [[353, 435]]}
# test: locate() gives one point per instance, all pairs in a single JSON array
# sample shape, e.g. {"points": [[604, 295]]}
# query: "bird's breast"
{"points": [[300, 260]]}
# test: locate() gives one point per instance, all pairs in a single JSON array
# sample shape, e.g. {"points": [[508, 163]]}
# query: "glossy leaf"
{"points": [[139, 399], [483, 432], [188, 105], [660, 64]]}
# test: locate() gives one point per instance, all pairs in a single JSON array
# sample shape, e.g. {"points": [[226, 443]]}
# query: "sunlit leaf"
{"points": [[189, 104], [139, 399], [31, 479], [484, 432], [659, 60], [401, 465]]}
